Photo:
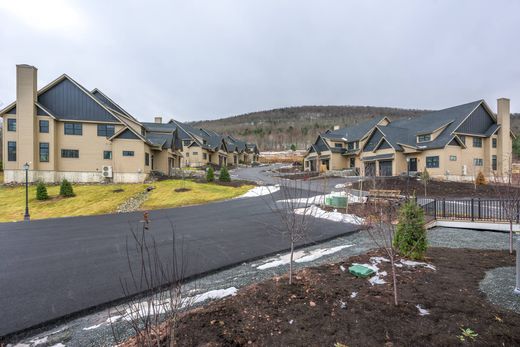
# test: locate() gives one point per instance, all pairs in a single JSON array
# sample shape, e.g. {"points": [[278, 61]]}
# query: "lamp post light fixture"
{"points": [[26, 216]]}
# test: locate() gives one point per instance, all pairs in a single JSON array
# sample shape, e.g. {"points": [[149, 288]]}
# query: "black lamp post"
{"points": [[407, 175], [26, 217]]}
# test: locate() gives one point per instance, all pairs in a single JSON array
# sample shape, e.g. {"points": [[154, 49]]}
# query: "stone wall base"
{"points": [[18, 176]]}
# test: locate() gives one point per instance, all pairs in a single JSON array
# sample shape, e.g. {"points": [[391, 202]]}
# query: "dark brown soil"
{"points": [[233, 183], [309, 312], [434, 188], [182, 190]]}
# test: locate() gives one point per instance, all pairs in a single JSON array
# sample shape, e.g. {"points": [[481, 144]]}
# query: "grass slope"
{"points": [[165, 195], [100, 199]]}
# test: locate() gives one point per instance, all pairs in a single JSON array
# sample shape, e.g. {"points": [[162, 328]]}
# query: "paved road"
{"points": [[262, 175], [53, 268]]}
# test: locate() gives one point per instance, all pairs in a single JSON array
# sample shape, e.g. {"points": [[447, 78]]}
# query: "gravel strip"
{"points": [[498, 285]]}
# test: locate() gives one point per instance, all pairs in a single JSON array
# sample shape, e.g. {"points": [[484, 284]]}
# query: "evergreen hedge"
{"points": [[410, 235]]}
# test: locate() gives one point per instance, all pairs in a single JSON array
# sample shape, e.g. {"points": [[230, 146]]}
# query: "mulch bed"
{"points": [[310, 313], [233, 183], [434, 188], [182, 190]]}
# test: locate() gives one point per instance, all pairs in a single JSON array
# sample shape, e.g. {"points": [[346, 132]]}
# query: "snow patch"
{"points": [[318, 253], [353, 295], [93, 327], [301, 257], [215, 294], [280, 260], [342, 268], [316, 212], [113, 319], [377, 278], [418, 263], [260, 190], [58, 345], [39, 341], [422, 311]]}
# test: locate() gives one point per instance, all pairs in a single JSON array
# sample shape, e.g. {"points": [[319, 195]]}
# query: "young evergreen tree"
{"points": [[480, 180], [410, 235], [66, 189], [224, 175], [41, 191], [210, 174]]}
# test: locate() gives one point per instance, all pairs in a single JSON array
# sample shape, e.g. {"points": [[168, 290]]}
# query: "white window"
{"points": [[478, 162], [453, 158]]}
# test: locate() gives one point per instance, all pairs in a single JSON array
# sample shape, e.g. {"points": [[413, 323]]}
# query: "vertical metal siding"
{"points": [[65, 100], [477, 123]]}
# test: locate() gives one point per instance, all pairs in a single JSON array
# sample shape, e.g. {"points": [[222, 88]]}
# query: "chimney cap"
{"points": [[158, 120]]}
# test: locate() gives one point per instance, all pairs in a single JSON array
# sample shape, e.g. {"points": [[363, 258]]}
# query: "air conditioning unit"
{"points": [[106, 171], [464, 170]]}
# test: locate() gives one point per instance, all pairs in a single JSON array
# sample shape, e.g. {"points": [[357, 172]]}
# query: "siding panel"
{"points": [[477, 123]]}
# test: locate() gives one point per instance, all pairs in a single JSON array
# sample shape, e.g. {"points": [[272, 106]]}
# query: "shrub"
{"points": [[410, 234], [1, 166], [41, 191], [66, 189], [210, 174], [480, 180], [293, 147], [224, 175]]}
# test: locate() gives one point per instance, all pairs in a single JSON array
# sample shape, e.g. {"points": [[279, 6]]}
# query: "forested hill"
{"points": [[278, 129]]}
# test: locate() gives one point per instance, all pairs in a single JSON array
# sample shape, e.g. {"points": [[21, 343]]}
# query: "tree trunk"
{"points": [[291, 261], [394, 279]]}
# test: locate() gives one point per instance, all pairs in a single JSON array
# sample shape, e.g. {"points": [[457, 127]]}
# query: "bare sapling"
{"points": [[159, 277], [295, 206], [380, 224]]}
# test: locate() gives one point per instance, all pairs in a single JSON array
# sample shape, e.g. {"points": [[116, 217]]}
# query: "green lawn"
{"points": [[100, 199], [165, 195]]}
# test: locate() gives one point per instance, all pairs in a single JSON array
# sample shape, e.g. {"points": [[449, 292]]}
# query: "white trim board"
{"points": [[473, 225]]}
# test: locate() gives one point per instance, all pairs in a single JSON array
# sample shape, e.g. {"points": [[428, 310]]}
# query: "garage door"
{"points": [[385, 168]]}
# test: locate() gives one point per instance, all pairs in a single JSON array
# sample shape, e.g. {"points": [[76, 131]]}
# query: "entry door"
{"points": [[370, 169], [385, 168], [413, 165]]}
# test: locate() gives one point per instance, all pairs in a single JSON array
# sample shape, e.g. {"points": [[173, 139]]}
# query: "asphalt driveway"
{"points": [[57, 267]]}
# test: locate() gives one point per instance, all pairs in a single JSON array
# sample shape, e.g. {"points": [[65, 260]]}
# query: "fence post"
{"points": [[479, 216], [435, 209], [444, 208], [517, 212], [472, 210]]}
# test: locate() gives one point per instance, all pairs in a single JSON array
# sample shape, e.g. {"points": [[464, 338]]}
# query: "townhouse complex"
{"points": [[64, 130], [454, 143]]}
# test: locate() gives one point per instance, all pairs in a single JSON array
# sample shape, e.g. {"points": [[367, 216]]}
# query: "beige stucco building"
{"points": [[454, 143], [64, 130]]}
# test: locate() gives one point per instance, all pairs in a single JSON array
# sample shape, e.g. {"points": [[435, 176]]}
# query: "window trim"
{"points": [[453, 158], [11, 156], [430, 164], [147, 159], [102, 130], [77, 128], [70, 151], [10, 123], [477, 142], [105, 157], [494, 142], [40, 152], [128, 153], [40, 122], [424, 138], [478, 162]]}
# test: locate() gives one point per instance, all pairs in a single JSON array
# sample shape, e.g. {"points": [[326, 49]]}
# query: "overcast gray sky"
{"points": [[210, 59]]}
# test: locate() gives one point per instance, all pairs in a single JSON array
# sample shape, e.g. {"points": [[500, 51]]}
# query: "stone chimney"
{"points": [[504, 143], [158, 120], [336, 127], [26, 94]]}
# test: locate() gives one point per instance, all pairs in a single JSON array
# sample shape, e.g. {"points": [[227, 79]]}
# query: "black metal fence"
{"points": [[490, 210]]}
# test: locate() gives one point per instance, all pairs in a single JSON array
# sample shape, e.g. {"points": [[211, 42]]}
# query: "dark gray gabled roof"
{"points": [[355, 132], [163, 140], [105, 100]]}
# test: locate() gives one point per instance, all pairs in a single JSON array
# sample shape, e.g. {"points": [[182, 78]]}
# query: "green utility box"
{"points": [[336, 201], [360, 271]]}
